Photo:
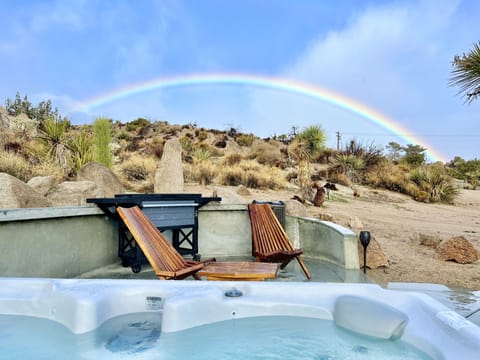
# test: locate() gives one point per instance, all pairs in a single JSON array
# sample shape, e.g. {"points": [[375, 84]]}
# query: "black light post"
{"points": [[365, 240]]}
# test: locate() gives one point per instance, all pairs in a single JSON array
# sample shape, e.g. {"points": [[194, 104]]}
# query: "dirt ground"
{"points": [[397, 222]]}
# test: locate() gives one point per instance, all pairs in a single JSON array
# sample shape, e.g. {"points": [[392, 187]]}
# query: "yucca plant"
{"points": [[53, 134], [433, 180], [200, 155], [81, 150], [466, 73]]}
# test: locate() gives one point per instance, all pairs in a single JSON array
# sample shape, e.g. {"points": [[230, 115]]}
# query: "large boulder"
{"points": [[457, 249], [74, 193], [105, 179], [169, 173], [43, 184], [375, 256], [16, 194], [230, 196], [295, 208]]}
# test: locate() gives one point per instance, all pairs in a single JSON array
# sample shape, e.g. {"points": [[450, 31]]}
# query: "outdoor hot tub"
{"points": [[151, 319]]}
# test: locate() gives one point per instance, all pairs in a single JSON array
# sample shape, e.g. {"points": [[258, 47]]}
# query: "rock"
{"points": [[375, 256], [355, 223], [356, 191], [105, 179], [457, 249], [43, 184], [230, 196], [16, 194], [74, 193], [242, 190], [295, 208], [427, 240], [325, 217], [22, 123], [169, 173]]}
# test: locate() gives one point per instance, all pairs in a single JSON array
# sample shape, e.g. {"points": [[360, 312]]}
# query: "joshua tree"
{"points": [[466, 73], [307, 145]]}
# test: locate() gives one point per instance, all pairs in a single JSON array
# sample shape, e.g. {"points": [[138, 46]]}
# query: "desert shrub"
{"points": [[48, 168], [370, 153], [138, 124], [156, 149], [388, 176], [252, 175], [339, 178], [201, 135], [434, 181], [266, 154], [268, 178], [53, 135], [187, 144], [232, 159], [200, 155], [81, 150], [15, 165], [123, 135], [206, 147], [134, 144], [203, 173], [350, 165], [137, 172], [247, 165], [231, 176], [245, 139], [102, 136], [172, 130]]}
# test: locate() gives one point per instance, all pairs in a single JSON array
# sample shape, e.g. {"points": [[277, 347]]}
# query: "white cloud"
{"points": [[72, 15], [393, 58]]}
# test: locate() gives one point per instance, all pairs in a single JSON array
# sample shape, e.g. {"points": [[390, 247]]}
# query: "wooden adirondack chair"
{"points": [[269, 241]]}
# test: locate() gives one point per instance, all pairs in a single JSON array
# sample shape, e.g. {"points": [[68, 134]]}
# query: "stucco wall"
{"points": [[225, 230], [55, 242]]}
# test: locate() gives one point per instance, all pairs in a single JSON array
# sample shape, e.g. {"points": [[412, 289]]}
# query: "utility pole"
{"points": [[339, 136]]}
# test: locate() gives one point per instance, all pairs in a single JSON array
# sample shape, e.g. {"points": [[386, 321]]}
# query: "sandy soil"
{"points": [[397, 222]]}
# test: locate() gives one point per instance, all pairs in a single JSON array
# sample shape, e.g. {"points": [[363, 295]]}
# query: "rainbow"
{"points": [[280, 84]]}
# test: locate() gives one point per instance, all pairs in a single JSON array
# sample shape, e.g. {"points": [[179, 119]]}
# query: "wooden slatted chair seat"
{"points": [[269, 241]]}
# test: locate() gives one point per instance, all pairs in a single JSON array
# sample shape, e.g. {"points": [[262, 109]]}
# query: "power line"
{"points": [[420, 135]]}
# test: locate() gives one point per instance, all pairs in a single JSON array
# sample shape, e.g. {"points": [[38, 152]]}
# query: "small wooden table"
{"points": [[239, 270]]}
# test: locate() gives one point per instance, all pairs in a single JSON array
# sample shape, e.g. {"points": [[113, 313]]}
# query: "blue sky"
{"points": [[392, 56]]}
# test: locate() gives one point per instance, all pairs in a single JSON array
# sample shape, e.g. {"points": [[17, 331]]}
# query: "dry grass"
{"points": [[15, 165], [266, 154], [232, 159], [253, 175], [203, 173], [137, 172]]}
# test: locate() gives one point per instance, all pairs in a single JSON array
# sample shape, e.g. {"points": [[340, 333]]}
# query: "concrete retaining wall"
{"points": [[225, 230], [55, 242], [65, 242]]}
